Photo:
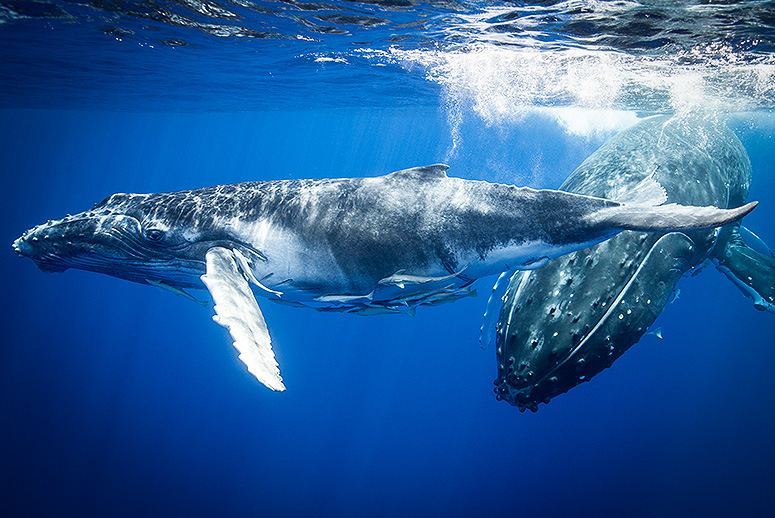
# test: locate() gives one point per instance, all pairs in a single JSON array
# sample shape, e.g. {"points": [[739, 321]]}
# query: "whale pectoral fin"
{"points": [[237, 310], [750, 270]]}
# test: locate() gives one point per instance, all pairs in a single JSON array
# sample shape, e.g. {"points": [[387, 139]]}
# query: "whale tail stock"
{"points": [[666, 218]]}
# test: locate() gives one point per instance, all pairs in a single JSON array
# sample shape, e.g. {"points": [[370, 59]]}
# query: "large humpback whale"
{"points": [[566, 322], [361, 245]]}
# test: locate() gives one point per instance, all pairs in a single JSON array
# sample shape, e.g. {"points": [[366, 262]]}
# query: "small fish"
{"points": [[656, 332], [401, 279], [176, 291], [676, 294]]}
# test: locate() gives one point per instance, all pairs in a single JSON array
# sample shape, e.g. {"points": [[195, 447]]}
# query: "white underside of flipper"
{"points": [[236, 309]]}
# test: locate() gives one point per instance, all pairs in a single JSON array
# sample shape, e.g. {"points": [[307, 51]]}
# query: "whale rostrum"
{"points": [[373, 245]]}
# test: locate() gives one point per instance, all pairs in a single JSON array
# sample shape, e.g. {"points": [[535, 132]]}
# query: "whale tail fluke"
{"points": [[667, 218]]}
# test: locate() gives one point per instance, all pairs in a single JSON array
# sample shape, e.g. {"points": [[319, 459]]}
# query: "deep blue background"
{"points": [[118, 399]]}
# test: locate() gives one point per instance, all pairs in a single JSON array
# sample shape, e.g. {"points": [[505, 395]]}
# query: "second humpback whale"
{"points": [[360, 245], [563, 324]]}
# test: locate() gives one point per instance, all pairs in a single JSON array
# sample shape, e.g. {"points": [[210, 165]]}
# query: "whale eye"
{"points": [[154, 234]]}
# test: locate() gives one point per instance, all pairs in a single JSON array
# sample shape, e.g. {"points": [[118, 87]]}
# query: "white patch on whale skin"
{"points": [[191, 235], [286, 258]]}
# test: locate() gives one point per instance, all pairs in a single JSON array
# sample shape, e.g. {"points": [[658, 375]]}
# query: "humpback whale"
{"points": [[360, 245], [561, 325]]}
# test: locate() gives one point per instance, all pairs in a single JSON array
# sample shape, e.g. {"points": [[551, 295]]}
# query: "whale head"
{"points": [[136, 237], [568, 321]]}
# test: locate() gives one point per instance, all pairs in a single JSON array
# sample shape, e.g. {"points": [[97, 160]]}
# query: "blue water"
{"points": [[117, 399]]}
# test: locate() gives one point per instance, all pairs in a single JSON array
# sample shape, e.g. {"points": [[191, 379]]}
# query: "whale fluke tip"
{"points": [[667, 218]]}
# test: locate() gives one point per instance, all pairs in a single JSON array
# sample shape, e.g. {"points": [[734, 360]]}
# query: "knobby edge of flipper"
{"points": [[750, 270], [236, 309]]}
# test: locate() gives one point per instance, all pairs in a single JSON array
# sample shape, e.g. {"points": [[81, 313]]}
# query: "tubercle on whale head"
{"points": [[527, 391], [572, 320], [53, 243]]}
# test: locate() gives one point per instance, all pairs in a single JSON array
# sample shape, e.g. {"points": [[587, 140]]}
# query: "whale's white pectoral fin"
{"points": [[237, 310]]}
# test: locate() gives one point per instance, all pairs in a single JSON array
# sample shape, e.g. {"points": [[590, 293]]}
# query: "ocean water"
{"points": [[118, 399]]}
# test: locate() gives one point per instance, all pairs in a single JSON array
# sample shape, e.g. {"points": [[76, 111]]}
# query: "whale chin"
{"points": [[48, 263], [49, 267]]}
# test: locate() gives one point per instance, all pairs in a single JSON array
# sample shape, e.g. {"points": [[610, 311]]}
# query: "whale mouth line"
{"points": [[135, 268], [50, 266]]}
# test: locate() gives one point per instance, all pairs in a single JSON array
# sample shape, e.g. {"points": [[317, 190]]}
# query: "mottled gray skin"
{"points": [[564, 323], [309, 238]]}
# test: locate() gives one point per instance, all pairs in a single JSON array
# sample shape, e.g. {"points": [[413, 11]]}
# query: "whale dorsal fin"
{"points": [[427, 172], [236, 309]]}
